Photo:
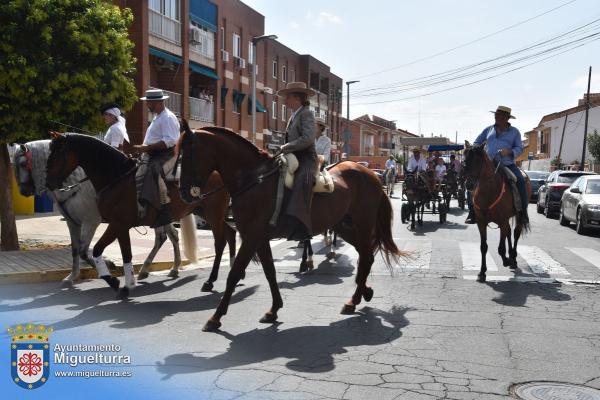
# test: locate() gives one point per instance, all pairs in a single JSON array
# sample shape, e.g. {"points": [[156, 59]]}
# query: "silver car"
{"points": [[581, 203]]}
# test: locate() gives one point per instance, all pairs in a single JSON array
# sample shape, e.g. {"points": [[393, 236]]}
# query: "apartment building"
{"points": [[200, 52]]}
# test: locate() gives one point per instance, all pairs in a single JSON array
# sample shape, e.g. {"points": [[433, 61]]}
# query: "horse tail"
{"points": [[384, 240], [188, 232]]}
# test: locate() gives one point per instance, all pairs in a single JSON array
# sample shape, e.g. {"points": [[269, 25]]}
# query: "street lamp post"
{"points": [[255, 41], [347, 135]]}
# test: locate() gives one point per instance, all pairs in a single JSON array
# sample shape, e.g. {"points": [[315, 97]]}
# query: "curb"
{"points": [[87, 272]]}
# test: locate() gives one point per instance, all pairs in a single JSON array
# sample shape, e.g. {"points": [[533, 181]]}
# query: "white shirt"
{"points": [[116, 134], [440, 170], [415, 165], [323, 147], [390, 164], [164, 127]]}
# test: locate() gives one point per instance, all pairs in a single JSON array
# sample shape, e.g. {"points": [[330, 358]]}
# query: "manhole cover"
{"points": [[553, 391]]}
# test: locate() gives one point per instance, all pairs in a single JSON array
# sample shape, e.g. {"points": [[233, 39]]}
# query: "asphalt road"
{"points": [[430, 331]]}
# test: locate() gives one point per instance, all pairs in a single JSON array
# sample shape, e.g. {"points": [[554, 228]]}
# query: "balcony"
{"points": [[386, 145], [164, 27], [202, 110]]}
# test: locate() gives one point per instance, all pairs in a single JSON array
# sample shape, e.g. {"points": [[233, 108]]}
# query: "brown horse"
{"points": [[358, 209], [493, 202], [113, 176]]}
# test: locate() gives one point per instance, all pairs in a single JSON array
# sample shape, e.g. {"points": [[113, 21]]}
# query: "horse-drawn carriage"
{"points": [[421, 194]]}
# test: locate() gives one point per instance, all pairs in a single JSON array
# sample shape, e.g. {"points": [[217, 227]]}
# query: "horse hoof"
{"points": [[348, 309], [123, 293], [368, 294], [173, 273], [211, 326], [268, 318], [481, 278], [514, 266], [310, 265], [506, 263], [113, 282], [303, 267], [207, 287], [66, 284], [331, 255], [143, 275]]}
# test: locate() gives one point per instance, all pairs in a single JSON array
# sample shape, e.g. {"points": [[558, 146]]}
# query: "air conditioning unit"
{"points": [[240, 62], [195, 35], [161, 64], [225, 55]]}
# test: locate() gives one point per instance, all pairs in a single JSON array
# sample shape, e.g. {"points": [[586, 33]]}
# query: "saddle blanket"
{"points": [[324, 181]]}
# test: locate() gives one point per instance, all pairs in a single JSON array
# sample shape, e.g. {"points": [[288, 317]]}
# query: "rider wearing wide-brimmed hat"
{"points": [[322, 143], [158, 155], [503, 145], [300, 140]]}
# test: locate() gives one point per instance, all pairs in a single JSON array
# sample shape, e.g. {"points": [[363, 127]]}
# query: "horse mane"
{"points": [[238, 138], [111, 161]]}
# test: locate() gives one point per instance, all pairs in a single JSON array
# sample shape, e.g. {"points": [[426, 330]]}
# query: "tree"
{"points": [[593, 143], [59, 61]]}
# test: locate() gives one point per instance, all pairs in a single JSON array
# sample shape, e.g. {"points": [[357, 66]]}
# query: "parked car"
{"points": [[581, 204], [537, 179], [550, 193]]}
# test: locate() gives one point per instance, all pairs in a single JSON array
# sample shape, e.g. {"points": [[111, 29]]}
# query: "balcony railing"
{"points": [[202, 110], [164, 27], [386, 145], [206, 46]]}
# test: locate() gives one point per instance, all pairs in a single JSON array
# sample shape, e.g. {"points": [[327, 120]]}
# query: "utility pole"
{"points": [[456, 137], [347, 132], [587, 112], [562, 138]]}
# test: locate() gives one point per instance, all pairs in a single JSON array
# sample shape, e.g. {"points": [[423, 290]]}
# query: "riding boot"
{"points": [[470, 218]]}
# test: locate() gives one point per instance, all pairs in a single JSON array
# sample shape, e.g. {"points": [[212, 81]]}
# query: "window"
{"points": [[284, 73], [238, 98], [283, 113], [274, 110], [275, 69], [223, 38], [292, 75], [206, 45], [237, 45], [168, 8], [250, 53]]}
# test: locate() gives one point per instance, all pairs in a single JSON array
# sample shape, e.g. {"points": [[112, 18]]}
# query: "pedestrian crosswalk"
{"points": [[452, 258]]}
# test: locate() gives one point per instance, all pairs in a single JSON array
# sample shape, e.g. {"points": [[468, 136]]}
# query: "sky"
{"points": [[359, 40]]}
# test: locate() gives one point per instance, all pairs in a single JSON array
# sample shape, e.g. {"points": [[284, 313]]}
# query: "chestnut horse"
{"points": [[493, 202], [358, 209], [113, 175]]}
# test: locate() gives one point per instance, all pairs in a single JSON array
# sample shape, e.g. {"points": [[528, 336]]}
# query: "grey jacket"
{"points": [[300, 133]]}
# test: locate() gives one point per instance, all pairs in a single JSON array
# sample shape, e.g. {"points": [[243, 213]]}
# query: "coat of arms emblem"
{"points": [[30, 355]]}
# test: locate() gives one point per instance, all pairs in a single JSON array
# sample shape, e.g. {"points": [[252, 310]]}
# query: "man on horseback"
{"points": [[158, 155], [503, 145], [390, 168], [300, 140]]}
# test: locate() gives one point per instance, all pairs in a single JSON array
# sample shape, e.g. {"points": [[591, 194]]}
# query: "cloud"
{"points": [[294, 25], [323, 18]]}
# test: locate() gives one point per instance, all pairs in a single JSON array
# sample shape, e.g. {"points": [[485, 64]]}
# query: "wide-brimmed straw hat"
{"points": [[320, 121], [296, 87], [154, 94], [504, 109], [416, 150]]}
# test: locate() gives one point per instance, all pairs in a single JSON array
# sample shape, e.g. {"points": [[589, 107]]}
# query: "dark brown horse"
{"points": [[493, 202], [358, 209], [113, 176]]}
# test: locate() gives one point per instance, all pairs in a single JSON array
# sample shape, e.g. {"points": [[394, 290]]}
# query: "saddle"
{"points": [[324, 181]]}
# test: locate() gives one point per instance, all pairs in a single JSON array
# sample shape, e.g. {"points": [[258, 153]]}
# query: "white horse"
{"points": [[79, 208]]}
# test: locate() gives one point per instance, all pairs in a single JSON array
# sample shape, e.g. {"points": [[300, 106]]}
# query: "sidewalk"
{"points": [[52, 262]]}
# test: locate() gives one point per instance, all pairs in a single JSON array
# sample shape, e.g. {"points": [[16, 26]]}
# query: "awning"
{"points": [[259, 106], [201, 69], [165, 55], [238, 97]]}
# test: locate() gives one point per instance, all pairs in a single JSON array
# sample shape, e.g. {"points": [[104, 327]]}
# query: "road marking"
{"points": [[471, 257], [540, 262], [420, 254], [589, 255]]}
